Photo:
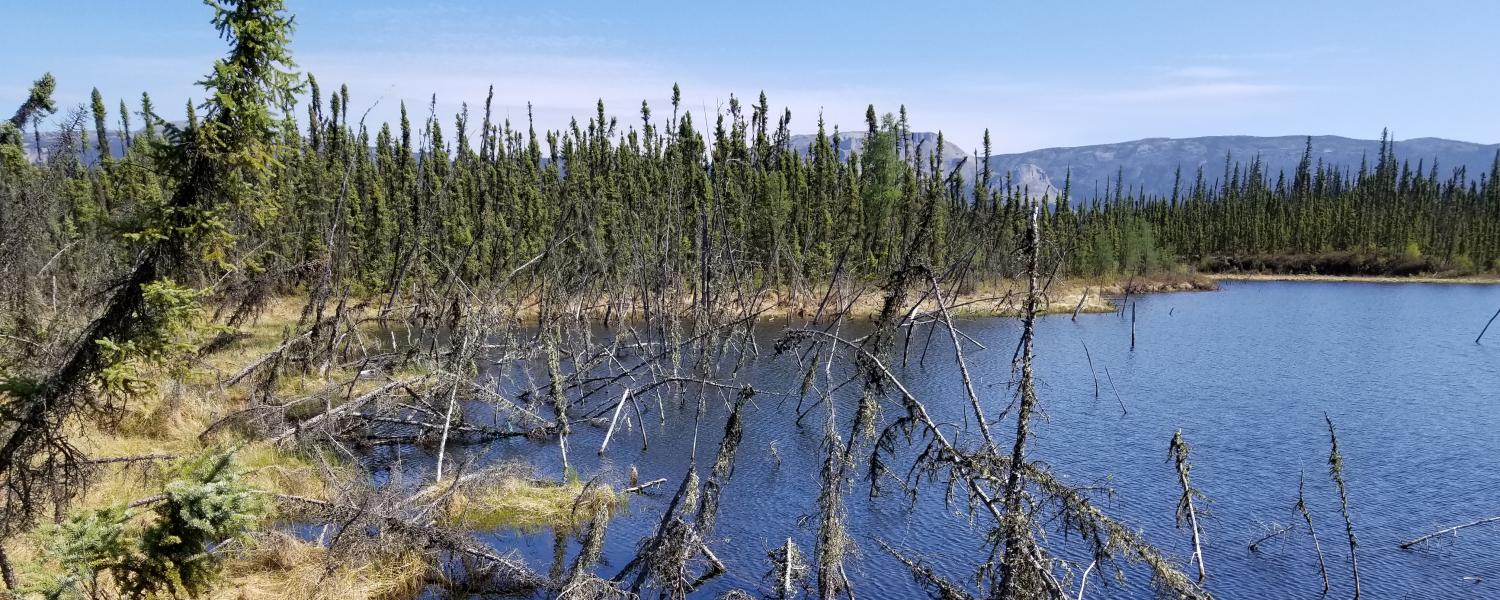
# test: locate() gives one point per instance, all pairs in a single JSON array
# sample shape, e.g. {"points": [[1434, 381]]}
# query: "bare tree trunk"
{"points": [[614, 421], [447, 422], [1083, 581], [1014, 522], [1178, 453], [1336, 470], [1081, 300], [1132, 327], [1318, 547], [8, 573], [786, 571]]}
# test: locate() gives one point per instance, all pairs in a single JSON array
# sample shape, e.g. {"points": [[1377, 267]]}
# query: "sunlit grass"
{"points": [[276, 566], [521, 504], [170, 420]]}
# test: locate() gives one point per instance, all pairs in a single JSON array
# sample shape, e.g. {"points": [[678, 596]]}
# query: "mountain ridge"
{"points": [[1149, 165]]}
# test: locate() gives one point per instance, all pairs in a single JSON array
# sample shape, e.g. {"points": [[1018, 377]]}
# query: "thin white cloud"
{"points": [[1203, 72], [1205, 91], [1283, 55]]}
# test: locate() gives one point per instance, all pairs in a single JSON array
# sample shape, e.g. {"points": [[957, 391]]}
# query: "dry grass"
{"points": [[528, 505], [273, 565], [276, 566], [989, 298]]}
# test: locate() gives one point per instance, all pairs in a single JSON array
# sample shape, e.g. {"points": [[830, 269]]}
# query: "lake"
{"points": [[1247, 373]]}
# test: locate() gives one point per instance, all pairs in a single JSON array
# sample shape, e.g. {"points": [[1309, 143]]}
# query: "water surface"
{"points": [[1247, 373]]}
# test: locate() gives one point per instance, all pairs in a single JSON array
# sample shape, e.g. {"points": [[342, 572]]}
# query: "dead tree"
{"points": [[1187, 512], [1336, 471], [1312, 531], [985, 475], [1019, 575]]}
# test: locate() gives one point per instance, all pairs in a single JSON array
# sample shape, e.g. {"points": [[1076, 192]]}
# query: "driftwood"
{"points": [[447, 424], [1454, 530], [346, 407], [637, 489], [129, 459], [274, 354]]}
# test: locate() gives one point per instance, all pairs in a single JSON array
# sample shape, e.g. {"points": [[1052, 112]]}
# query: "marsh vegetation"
{"points": [[271, 350]]}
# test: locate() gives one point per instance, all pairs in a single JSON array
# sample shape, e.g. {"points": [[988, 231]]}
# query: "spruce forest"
{"points": [[258, 346]]}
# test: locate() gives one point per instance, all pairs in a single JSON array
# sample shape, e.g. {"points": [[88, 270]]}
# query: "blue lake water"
{"points": [[1247, 373]]}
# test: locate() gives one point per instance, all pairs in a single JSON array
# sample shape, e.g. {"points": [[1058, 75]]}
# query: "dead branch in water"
{"points": [[1336, 470], [614, 420], [1081, 300], [1453, 530], [1132, 326], [985, 474], [637, 489], [1487, 325], [790, 569], [1307, 518], [1187, 512], [1276, 531], [346, 407], [941, 588]]}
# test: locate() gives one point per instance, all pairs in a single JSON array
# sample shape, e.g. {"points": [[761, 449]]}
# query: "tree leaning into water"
{"points": [[219, 169]]}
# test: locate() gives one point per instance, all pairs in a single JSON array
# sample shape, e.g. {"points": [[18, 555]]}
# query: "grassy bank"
{"points": [[200, 410], [185, 414], [986, 298]]}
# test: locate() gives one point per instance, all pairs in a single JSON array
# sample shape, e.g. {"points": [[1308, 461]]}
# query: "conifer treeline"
{"points": [[634, 203], [1390, 218]]}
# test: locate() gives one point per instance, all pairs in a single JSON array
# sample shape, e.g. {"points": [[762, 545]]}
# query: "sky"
{"points": [[1036, 74]]}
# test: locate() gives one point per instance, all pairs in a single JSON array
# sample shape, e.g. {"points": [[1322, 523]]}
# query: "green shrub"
{"points": [[206, 503], [1463, 264]]}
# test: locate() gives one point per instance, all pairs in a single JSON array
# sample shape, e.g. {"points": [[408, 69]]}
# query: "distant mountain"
{"points": [[52, 141], [1032, 178], [1150, 164], [855, 142]]}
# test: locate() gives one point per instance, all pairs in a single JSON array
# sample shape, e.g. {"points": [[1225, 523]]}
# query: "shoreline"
{"points": [[995, 298], [1391, 279]]}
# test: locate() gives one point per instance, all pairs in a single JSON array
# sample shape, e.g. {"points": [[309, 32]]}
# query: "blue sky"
{"points": [[1037, 74]]}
